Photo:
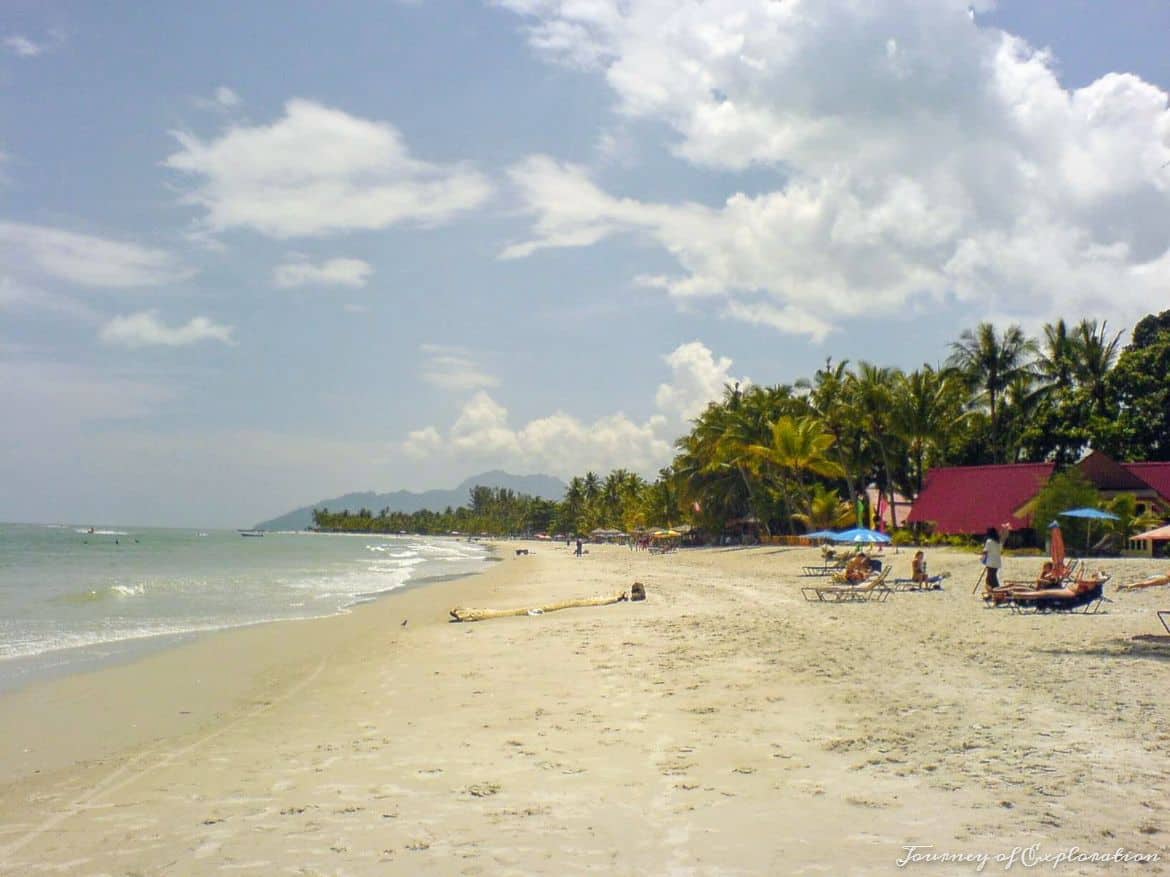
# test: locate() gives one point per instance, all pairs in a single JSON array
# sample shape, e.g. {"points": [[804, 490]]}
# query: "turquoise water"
{"points": [[71, 599]]}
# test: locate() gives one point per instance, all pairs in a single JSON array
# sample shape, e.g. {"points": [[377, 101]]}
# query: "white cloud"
{"points": [[225, 97], [223, 100], [84, 259], [145, 329], [319, 171], [23, 47], [566, 445], [697, 379], [334, 272], [453, 368], [917, 156]]}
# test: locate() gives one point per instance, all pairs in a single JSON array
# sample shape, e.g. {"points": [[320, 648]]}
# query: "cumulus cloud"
{"points": [[85, 259], [319, 171], [483, 431], [333, 272], [453, 368], [697, 378], [917, 156], [145, 329]]}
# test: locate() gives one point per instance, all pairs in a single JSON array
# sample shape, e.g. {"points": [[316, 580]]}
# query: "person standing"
{"points": [[993, 554]]}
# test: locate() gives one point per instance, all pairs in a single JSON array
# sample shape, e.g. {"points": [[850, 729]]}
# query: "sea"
{"points": [[73, 598]]}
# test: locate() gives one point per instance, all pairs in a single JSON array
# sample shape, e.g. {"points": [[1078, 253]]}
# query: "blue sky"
{"points": [[250, 260]]}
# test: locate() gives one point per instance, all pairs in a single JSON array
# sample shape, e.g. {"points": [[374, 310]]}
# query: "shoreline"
{"points": [[113, 686], [724, 724]]}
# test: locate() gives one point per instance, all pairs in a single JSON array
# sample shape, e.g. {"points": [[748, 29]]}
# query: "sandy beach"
{"points": [[723, 726]]}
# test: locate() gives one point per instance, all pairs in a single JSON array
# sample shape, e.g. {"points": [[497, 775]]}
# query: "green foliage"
{"points": [[903, 537], [1139, 385], [1066, 490]]}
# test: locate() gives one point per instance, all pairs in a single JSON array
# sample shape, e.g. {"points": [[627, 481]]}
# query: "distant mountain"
{"points": [[543, 486]]}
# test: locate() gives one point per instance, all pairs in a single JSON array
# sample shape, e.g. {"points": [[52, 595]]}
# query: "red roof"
{"points": [[969, 499], [1157, 475]]}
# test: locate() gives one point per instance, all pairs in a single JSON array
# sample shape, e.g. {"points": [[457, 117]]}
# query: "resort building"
{"points": [[968, 499]]}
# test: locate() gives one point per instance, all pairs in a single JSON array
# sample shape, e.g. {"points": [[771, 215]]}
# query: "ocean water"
{"points": [[71, 599]]}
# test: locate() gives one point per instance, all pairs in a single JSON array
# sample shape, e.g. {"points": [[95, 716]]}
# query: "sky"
{"points": [[251, 259]]}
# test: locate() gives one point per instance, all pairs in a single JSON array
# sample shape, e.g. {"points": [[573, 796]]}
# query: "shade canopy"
{"points": [[820, 534], [1160, 534], [860, 534], [1093, 514]]}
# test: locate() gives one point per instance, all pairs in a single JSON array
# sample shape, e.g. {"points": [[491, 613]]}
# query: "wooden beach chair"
{"points": [[873, 589]]}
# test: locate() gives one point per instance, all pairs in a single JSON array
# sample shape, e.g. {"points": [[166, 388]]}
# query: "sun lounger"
{"points": [[873, 589], [934, 583], [1085, 596], [1164, 614], [825, 569]]}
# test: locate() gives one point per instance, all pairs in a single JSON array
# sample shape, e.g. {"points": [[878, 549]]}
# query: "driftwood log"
{"points": [[462, 614]]}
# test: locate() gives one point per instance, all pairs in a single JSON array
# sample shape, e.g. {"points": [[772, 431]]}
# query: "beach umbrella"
{"points": [[1160, 534], [860, 534], [820, 534], [1091, 515], [1057, 539]]}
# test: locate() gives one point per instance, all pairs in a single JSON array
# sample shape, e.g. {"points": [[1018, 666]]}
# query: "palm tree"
{"points": [[797, 446], [926, 410], [825, 509], [828, 398], [1095, 354], [1056, 360], [990, 363], [872, 391]]}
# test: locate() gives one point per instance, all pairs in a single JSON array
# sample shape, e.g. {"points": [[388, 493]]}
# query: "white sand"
{"points": [[724, 726]]}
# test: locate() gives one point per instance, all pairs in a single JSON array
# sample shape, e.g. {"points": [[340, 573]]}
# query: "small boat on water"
{"points": [[251, 532]]}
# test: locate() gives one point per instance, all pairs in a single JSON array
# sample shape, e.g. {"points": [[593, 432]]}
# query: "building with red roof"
{"points": [[969, 499]]}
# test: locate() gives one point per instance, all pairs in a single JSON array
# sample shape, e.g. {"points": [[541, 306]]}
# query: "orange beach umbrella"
{"points": [[1057, 539]]}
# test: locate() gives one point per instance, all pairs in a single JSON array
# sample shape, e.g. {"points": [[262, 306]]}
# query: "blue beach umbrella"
{"points": [[820, 534], [1091, 515], [860, 534]]}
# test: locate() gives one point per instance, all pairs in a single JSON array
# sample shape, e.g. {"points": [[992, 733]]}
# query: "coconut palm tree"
{"points": [[990, 362], [798, 446], [824, 510], [926, 409], [1095, 355], [871, 390]]}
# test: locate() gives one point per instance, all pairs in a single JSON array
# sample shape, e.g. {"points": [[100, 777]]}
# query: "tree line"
{"points": [[796, 457]]}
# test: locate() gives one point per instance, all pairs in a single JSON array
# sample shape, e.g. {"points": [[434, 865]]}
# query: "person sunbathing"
{"points": [[1150, 582], [1049, 577], [1068, 592], [858, 569]]}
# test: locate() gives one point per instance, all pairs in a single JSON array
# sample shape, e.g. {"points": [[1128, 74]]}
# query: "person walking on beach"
{"points": [[578, 547], [993, 555]]}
